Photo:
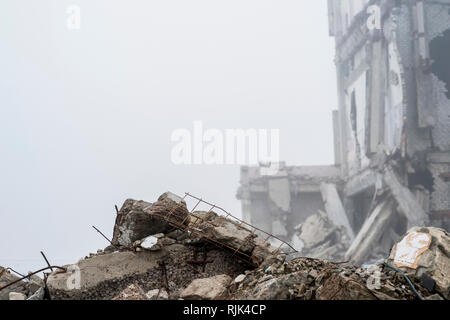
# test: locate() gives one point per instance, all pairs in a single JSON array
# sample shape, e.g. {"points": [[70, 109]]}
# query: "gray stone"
{"points": [[207, 289], [139, 219]]}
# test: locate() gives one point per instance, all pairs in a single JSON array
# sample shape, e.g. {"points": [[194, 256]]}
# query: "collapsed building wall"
{"points": [[391, 129]]}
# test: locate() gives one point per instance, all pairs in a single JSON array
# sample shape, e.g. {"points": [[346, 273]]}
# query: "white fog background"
{"points": [[86, 115]]}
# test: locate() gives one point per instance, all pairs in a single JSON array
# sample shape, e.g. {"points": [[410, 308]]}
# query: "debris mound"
{"points": [[161, 251]]}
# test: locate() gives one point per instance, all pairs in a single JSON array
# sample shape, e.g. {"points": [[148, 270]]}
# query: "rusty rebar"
{"points": [[103, 235], [46, 260]]}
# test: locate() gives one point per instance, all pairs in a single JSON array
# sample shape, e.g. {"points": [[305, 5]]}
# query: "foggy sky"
{"points": [[86, 116]]}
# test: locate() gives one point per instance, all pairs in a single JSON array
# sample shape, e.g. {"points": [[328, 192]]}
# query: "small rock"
{"points": [[17, 296], [207, 289], [162, 295], [132, 292], [150, 243], [239, 278]]}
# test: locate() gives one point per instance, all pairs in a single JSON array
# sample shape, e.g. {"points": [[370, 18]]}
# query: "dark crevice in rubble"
{"points": [[440, 53], [421, 177], [361, 203]]}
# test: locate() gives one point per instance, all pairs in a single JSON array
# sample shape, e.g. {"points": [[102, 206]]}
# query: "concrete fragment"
{"points": [[17, 296], [132, 292], [96, 271], [434, 261], [157, 294], [207, 289], [139, 219], [229, 232]]}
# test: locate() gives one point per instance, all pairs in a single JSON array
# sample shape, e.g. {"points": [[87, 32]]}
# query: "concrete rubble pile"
{"points": [[422, 255], [32, 289], [205, 256]]}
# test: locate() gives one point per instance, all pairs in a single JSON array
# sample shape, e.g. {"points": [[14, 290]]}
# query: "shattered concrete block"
{"points": [[157, 294], [138, 219], [207, 289], [17, 296], [100, 271], [417, 254], [316, 230], [132, 292], [229, 232]]}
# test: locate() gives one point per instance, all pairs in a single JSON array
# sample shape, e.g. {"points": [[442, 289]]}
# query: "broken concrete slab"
{"points": [[207, 289], [408, 204], [89, 274], [138, 219], [371, 232], [335, 208], [425, 251]]}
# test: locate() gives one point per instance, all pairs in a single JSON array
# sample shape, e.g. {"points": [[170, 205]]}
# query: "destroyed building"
{"points": [[391, 138]]}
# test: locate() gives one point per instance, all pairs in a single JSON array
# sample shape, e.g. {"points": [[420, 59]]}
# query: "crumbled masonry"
{"points": [[170, 263]]}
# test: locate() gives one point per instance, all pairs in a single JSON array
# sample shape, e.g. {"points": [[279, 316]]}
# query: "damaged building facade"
{"points": [[391, 138]]}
